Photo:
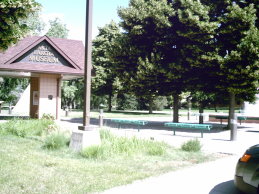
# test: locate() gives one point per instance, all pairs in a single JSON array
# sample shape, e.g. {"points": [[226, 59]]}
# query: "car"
{"points": [[247, 171]]}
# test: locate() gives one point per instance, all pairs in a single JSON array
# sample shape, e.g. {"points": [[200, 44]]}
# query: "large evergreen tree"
{"points": [[238, 50], [146, 25], [105, 80]]}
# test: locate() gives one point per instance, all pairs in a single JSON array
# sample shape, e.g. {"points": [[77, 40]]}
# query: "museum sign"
{"points": [[43, 53]]}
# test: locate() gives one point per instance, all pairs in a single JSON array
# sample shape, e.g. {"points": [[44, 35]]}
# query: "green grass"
{"points": [[27, 127], [27, 167]]}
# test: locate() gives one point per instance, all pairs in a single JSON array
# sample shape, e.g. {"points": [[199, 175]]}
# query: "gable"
{"points": [[43, 53], [36, 54]]}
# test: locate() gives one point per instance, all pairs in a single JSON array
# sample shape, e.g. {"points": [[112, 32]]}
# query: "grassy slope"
{"points": [[25, 167]]}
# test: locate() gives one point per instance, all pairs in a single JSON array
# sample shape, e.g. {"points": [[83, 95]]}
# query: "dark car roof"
{"points": [[253, 150]]}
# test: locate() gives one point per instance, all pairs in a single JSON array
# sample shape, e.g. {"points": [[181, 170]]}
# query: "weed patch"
{"points": [[113, 146], [55, 141], [24, 128]]}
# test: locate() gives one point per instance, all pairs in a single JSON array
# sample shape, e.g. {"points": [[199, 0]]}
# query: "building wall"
{"points": [[49, 95], [34, 99]]}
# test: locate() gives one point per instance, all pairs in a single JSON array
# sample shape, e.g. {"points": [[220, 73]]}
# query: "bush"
{"points": [[55, 141], [191, 146]]}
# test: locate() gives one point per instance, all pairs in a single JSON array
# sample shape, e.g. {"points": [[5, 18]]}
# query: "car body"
{"points": [[247, 171]]}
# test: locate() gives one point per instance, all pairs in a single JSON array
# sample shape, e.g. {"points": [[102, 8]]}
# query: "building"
{"points": [[46, 61]]}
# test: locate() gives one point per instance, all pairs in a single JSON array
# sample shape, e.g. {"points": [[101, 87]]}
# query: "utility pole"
{"points": [[86, 135], [88, 65]]}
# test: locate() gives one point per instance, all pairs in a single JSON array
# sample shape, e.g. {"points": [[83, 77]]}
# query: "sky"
{"points": [[72, 13]]}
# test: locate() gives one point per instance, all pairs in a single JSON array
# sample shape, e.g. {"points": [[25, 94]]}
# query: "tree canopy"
{"points": [[12, 15], [210, 47], [105, 79], [57, 29]]}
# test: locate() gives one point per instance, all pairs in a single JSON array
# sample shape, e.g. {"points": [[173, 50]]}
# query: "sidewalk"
{"points": [[208, 178]]}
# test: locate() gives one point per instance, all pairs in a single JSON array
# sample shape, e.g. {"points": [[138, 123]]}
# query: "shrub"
{"points": [[55, 141], [191, 146]]}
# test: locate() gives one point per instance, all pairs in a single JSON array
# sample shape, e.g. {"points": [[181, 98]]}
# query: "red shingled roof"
{"points": [[71, 50]]}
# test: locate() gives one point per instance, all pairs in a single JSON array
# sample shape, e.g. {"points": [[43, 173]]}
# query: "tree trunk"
{"points": [[110, 102], [215, 108], [150, 102], [176, 108], [232, 121], [201, 111], [189, 109]]}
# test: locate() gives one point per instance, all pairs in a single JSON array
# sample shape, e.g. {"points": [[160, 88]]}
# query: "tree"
{"points": [[11, 89], [146, 25], [238, 50], [12, 16], [192, 38], [105, 81], [35, 24], [68, 94], [57, 29]]}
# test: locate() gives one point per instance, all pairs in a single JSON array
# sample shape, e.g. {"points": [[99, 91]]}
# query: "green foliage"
{"points": [[12, 14], [24, 128], [126, 147], [138, 53], [55, 141], [239, 46], [48, 116], [11, 88], [57, 29], [27, 168], [160, 103], [69, 92], [191, 146], [105, 81], [93, 152], [126, 102], [35, 24], [156, 149]]}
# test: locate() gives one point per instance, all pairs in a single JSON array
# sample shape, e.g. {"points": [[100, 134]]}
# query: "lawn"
{"points": [[27, 166]]}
